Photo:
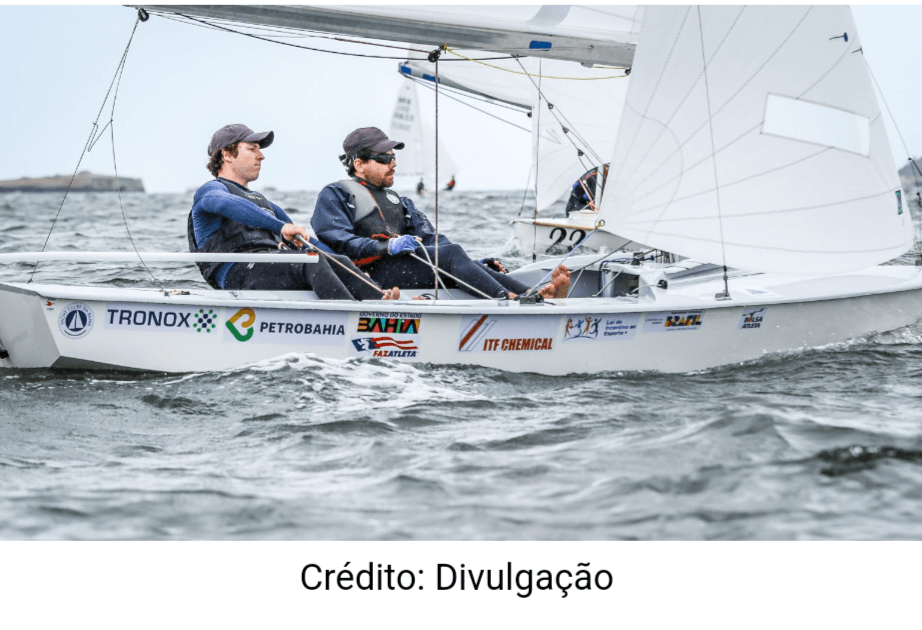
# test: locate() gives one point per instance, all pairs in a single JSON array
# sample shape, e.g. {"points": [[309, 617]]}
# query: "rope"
{"points": [[448, 275], [437, 279], [525, 72], [330, 258]]}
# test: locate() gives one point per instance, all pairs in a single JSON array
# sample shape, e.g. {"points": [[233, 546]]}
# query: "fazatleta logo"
{"points": [[205, 321], [240, 324], [381, 346]]}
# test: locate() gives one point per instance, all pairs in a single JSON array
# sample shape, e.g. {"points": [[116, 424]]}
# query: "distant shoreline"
{"points": [[83, 181]]}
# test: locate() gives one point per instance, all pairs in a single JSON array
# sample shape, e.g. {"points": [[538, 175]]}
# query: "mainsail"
{"points": [[417, 159], [774, 159]]}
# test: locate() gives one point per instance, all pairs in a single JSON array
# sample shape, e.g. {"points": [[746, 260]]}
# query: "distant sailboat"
{"points": [[417, 159]]}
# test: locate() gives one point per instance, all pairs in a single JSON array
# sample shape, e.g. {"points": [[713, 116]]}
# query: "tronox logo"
{"points": [[160, 318]]}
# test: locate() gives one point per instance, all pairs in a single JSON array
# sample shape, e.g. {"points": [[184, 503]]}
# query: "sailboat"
{"points": [[574, 113], [751, 142], [417, 159]]}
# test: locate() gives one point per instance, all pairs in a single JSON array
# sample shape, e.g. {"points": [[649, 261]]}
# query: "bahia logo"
{"points": [[244, 330], [76, 320]]}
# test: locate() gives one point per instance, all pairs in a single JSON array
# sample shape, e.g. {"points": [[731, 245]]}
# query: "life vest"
{"points": [[234, 236], [379, 213]]}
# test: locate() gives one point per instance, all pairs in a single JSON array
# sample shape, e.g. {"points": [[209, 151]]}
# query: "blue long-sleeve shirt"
{"points": [[212, 203], [334, 224]]}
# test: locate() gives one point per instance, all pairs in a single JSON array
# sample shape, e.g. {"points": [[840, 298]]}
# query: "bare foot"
{"points": [[420, 297], [561, 281], [392, 294], [559, 286]]}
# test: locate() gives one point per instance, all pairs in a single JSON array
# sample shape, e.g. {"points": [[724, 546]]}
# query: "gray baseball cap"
{"points": [[369, 138], [229, 134]]}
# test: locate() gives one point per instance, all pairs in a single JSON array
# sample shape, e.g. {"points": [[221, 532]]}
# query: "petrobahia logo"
{"points": [[240, 324], [205, 321], [76, 320]]}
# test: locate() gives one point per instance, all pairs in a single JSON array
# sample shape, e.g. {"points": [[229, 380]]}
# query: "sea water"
{"points": [[815, 444]]}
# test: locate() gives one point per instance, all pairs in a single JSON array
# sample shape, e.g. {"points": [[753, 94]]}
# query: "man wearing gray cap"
{"points": [[228, 217], [365, 220]]}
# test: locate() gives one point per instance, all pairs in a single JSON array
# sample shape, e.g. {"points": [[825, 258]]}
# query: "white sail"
{"points": [[586, 102], [802, 164], [586, 34], [417, 159]]}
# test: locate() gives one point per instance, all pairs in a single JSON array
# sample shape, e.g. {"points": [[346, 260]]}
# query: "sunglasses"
{"points": [[382, 158]]}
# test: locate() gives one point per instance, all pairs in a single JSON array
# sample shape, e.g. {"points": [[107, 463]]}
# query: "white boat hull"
{"points": [[674, 330], [560, 235]]}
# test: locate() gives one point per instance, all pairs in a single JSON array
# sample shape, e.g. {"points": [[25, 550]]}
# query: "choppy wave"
{"points": [[822, 443]]}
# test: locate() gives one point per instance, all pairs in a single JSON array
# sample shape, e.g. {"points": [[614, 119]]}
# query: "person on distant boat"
{"points": [[227, 216], [585, 191], [364, 219], [451, 183], [420, 187]]}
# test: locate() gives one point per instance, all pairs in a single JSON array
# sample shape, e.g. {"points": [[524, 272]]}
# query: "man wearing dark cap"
{"points": [[364, 219], [227, 216]]}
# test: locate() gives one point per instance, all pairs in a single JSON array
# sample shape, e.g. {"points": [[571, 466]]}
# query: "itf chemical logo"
{"points": [[76, 320]]}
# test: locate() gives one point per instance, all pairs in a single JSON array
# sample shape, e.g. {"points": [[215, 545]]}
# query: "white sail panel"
{"points": [[586, 102], [590, 111], [786, 203]]}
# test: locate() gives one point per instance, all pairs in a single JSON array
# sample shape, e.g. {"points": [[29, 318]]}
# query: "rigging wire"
{"points": [[566, 130], [428, 86], [707, 93], [477, 96], [434, 57], [525, 192], [94, 138], [534, 243]]}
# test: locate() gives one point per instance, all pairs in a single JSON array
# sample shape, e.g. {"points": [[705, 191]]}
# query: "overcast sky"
{"points": [[182, 82]]}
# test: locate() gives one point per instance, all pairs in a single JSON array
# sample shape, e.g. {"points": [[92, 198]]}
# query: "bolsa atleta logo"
{"points": [[240, 324], [205, 321]]}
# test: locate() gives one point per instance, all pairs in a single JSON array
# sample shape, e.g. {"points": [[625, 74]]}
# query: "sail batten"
{"points": [[806, 176]]}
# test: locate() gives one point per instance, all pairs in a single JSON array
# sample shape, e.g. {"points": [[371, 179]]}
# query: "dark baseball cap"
{"points": [[369, 138], [229, 134]]}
